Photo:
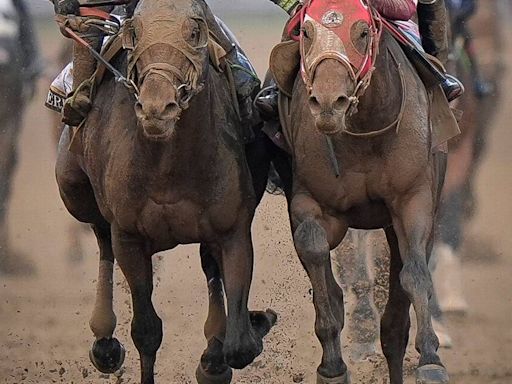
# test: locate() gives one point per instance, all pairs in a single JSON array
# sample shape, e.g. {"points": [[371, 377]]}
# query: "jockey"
{"points": [[432, 22], [460, 12], [69, 14]]}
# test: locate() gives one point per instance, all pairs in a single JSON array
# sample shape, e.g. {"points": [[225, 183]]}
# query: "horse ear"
{"points": [[284, 65]]}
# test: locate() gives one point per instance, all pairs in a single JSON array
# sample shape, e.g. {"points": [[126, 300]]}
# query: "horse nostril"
{"points": [[138, 109], [171, 110], [314, 104], [341, 103]]}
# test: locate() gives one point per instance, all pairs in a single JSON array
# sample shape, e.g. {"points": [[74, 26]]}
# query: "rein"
{"points": [[400, 114], [118, 76]]}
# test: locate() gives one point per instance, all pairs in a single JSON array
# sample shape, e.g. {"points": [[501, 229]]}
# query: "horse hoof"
{"points": [[263, 321], [107, 355], [204, 377], [343, 379], [431, 374]]}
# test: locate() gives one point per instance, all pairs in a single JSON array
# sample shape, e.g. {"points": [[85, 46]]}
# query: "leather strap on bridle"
{"points": [[396, 122]]}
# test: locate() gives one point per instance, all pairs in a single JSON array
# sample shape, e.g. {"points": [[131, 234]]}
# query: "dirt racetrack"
{"points": [[44, 334]]}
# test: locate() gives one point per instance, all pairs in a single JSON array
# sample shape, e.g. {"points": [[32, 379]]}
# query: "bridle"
{"points": [[360, 67], [186, 85]]}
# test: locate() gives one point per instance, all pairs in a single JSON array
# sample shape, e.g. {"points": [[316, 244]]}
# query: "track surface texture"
{"points": [[44, 334]]}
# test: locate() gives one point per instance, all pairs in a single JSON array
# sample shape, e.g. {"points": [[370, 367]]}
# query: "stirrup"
{"points": [[266, 102]]}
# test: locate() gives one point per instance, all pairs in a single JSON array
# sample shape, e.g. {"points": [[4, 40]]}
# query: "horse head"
{"points": [[338, 48], [168, 60]]}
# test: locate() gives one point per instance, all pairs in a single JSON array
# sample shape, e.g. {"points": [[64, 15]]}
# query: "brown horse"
{"points": [[171, 170], [13, 101], [363, 161]]}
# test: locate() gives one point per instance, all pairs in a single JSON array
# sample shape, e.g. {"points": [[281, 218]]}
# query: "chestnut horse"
{"points": [[362, 153], [164, 168]]}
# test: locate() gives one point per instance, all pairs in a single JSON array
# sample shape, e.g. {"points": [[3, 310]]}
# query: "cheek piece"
{"points": [[331, 23]]}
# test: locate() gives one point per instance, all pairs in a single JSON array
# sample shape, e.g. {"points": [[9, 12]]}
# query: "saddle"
{"points": [[285, 65]]}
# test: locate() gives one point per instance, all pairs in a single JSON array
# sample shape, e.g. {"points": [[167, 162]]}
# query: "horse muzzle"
{"points": [[329, 111], [158, 124]]}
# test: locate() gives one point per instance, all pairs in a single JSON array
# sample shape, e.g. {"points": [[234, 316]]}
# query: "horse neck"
{"points": [[380, 105]]}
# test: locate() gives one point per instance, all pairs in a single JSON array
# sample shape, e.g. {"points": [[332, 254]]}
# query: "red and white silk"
{"points": [[395, 9]]}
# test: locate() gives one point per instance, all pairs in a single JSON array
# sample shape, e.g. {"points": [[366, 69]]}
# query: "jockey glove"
{"points": [[66, 7]]}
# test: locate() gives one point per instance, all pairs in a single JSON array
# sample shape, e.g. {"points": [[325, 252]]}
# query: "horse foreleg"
{"points": [[107, 354], [312, 246], [136, 265], [413, 220], [243, 342], [212, 368], [395, 322]]}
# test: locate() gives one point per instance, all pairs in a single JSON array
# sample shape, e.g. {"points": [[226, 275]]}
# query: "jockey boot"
{"points": [[267, 102], [432, 20], [78, 104], [244, 76]]}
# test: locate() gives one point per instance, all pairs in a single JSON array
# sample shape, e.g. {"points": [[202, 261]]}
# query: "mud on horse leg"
{"points": [[413, 223], [107, 354], [137, 267], [311, 243]]}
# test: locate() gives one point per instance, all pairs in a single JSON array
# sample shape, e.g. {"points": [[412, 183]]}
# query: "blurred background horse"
{"points": [[17, 78]]}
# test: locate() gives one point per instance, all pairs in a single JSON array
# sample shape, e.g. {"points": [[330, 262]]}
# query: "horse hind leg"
{"points": [[313, 249], [136, 265]]}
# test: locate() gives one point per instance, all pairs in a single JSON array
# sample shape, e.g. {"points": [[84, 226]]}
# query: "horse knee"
{"points": [[311, 242], [415, 278]]}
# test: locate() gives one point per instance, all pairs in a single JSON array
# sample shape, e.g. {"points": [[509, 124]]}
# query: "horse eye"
{"points": [[365, 33], [195, 33]]}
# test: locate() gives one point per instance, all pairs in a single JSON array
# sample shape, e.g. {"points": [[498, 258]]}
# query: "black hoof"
{"points": [[204, 377], [263, 321], [343, 379], [432, 374], [107, 355]]}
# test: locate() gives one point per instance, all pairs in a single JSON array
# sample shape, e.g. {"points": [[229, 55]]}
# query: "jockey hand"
{"points": [[66, 7]]}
